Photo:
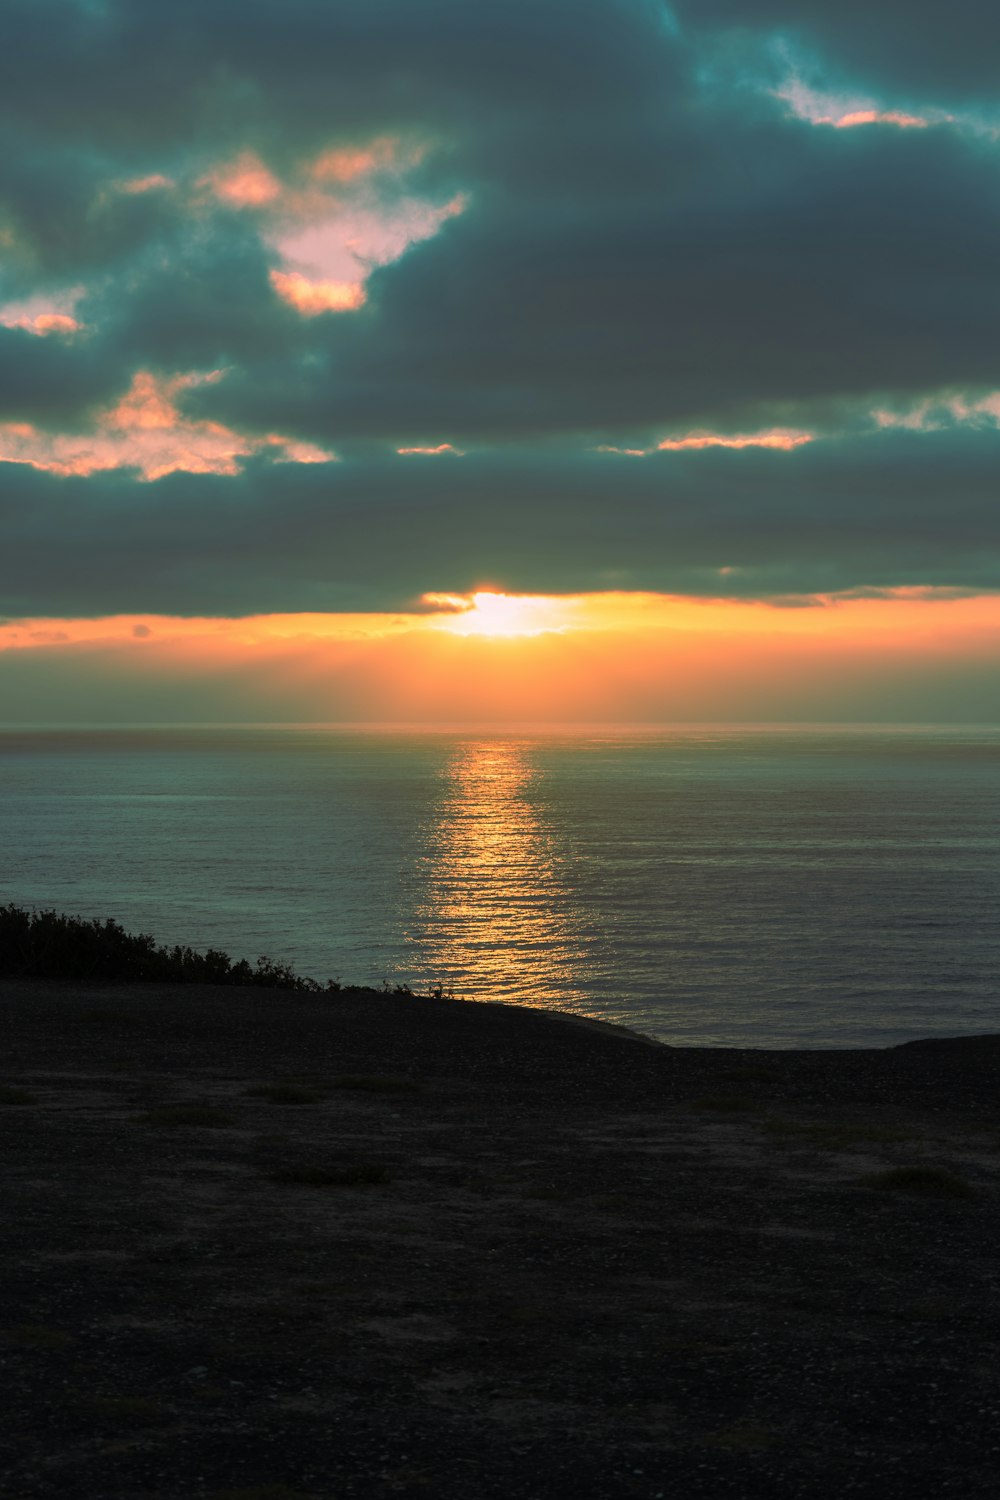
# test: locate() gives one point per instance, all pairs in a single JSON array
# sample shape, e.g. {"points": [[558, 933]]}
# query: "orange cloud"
{"points": [[145, 431], [55, 323], [876, 117], [348, 163], [149, 184], [776, 437], [43, 323], [441, 448], [311, 298], [843, 113], [244, 183]]}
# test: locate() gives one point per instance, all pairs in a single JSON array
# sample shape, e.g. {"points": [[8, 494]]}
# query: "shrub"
{"points": [[51, 945], [928, 1182]]}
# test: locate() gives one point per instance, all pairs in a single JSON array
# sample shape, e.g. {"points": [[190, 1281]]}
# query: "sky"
{"points": [[594, 361]]}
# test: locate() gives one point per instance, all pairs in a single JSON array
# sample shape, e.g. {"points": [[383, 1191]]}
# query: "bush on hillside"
{"points": [[50, 945]]}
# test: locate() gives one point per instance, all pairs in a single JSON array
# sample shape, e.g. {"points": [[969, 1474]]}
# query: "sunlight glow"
{"points": [[495, 659], [492, 614]]}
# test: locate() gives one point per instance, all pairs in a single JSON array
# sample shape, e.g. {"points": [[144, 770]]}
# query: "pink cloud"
{"points": [[343, 243], [146, 432], [45, 313]]}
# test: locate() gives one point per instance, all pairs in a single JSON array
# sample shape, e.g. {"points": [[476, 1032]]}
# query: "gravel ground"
{"points": [[285, 1247]]}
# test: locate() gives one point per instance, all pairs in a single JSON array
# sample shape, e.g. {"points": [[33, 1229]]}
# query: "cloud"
{"points": [[896, 509], [144, 431], [916, 49], [516, 238], [313, 297]]}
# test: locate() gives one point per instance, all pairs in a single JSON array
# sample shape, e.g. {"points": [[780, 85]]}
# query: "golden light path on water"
{"points": [[493, 919]]}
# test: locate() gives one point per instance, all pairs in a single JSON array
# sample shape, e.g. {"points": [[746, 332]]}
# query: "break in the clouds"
{"points": [[328, 306]]}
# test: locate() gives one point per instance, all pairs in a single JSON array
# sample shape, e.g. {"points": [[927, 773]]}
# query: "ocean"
{"points": [[761, 887]]}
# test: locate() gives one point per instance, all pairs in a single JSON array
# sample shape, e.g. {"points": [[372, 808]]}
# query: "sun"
{"points": [[502, 615]]}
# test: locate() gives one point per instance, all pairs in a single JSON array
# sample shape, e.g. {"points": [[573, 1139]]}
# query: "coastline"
{"points": [[387, 1245]]}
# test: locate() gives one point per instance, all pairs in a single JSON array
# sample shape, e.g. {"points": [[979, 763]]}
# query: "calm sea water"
{"points": [[765, 887]]}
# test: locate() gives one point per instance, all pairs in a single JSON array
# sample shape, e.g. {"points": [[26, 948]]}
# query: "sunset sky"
{"points": [[593, 361]]}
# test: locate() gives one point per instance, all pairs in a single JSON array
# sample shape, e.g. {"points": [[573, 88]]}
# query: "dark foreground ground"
{"points": [[277, 1246]]}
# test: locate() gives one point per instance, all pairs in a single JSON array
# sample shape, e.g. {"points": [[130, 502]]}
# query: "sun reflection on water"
{"points": [[492, 920]]}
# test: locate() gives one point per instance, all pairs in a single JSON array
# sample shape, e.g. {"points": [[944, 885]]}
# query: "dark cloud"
{"points": [[919, 51], [53, 380], [828, 267], [644, 249], [898, 509]]}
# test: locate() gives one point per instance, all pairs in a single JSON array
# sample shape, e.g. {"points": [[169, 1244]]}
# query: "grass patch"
{"points": [[108, 1015], [350, 1174], [36, 1336], [284, 1093], [377, 1083], [169, 1116], [925, 1182], [11, 1095]]}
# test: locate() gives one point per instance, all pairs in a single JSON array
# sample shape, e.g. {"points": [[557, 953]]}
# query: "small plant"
{"points": [[36, 1336], [203, 1115], [926, 1182], [9, 1094]]}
